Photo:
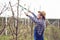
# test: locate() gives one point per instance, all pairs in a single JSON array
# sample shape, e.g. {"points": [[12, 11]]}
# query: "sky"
{"points": [[51, 7]]}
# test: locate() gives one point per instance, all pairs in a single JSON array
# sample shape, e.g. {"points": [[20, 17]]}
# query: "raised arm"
{"points": [[34, 19], [33, 14]]}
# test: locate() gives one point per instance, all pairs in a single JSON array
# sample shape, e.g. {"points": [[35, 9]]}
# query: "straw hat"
{"points": [[43, 13]]}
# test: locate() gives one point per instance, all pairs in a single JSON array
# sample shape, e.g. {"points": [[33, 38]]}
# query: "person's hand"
{"points": [[26, 14]]}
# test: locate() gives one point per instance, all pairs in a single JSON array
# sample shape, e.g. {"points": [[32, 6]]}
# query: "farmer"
{"points": [[39, 20]]}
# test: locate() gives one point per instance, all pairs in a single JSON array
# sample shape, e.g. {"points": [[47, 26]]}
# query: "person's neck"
{"points": [[39, 18]]}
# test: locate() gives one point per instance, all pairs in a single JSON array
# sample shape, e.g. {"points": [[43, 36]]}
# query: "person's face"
{"points": [[39, 16]]}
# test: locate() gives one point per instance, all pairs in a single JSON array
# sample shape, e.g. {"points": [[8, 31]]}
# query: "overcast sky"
{"points": [[51, 7]]}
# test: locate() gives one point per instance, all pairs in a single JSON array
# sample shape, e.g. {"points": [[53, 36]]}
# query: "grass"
{"points": [[4, 37], [51, 33]]}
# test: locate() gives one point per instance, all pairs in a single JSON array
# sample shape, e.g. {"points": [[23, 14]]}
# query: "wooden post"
{"points": [[58, 23], [6, 25]]}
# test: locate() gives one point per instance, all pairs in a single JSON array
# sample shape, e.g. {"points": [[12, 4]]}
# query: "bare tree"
{"points": [[3, 21]]}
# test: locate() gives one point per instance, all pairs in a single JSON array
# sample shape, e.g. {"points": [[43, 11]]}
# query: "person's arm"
{"points": [[33, 14], [34, 19]]}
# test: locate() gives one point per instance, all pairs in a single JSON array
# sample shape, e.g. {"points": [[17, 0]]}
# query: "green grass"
{"points": [[4, 37]]}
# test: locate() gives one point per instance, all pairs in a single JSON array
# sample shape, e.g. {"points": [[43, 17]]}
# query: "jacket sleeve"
{"points": [[35, 20], [34, 15], [32, 18]]}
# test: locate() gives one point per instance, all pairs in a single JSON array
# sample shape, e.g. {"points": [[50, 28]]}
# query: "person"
{"points": [[39, 20]]}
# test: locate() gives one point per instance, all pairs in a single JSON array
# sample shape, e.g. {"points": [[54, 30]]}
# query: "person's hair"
{"points": [[43, 17]]}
